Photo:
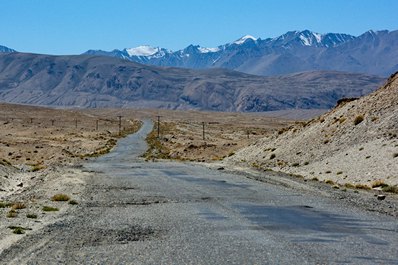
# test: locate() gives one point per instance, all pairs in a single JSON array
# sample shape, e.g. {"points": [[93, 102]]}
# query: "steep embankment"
{"points": [[355, 143]]}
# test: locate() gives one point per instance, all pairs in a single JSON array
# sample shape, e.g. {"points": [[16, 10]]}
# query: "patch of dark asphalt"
{"points": [[365, 200]]}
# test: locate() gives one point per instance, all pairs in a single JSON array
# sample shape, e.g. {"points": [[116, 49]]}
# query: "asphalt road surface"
{"points": [[137, 212]]}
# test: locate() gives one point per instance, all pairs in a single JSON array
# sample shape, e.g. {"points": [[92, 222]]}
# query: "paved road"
{"points": [[138, 212]]}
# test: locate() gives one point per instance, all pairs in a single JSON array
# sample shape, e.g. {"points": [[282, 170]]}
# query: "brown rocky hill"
{"points": [[355, 143], [96, 81]]}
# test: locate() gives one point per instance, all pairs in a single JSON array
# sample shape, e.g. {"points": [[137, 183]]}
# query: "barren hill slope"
{"points": [[354, 143], [95, 81]]}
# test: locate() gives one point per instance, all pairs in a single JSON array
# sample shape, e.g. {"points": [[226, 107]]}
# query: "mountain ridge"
{"points": [[294, 51], [99, 81]]}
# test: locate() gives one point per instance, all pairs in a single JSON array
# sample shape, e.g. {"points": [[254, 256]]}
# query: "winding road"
{"points": [[137, 212]]}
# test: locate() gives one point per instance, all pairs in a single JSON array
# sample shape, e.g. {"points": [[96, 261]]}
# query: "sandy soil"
{"points": [[207, 136], [40, 152]]}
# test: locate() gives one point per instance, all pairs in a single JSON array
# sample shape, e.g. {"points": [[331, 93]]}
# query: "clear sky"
{"points": [[74, 26]]}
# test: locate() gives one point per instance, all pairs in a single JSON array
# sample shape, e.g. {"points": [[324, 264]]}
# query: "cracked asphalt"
{"points": [[137, 212]]}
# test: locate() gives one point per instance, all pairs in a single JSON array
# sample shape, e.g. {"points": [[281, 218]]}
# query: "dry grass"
{"points": [[12, 214], [60, 197], [49, 209], [358, 119], [378, 183], [18, 206], [362, 187]]}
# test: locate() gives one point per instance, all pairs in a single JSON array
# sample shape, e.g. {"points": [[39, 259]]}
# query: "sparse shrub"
{"points": [[326, 141], [315, 179], [60, 197], [358, 119], [31, 216], [339, 173], [12, 214], [336, 187], [306, 163], [378, 183], [329, 181], [360, 149], [73, 202], [18, 230], [349, 186], [342, 119], [368, 157], [328, 172], [392, 189], [18, 206], [49, 209], [295, 164], [395, 155], [272, 156], [362, 187], [231, 153]]}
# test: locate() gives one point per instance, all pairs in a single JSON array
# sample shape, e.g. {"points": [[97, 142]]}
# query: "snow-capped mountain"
{"points": [[374, 52], [6, 49]]}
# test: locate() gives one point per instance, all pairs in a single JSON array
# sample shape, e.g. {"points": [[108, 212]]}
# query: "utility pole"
{"points": [[76, 123], [31, 120], [158, 126], [96, 125], [203, 130], [52, 122], [120, 124]]}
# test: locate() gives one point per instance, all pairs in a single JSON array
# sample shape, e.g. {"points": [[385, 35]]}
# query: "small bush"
{"points": [[395, 155], [295, 164], [378, 183], [339, 173], [306, 163], [358, 119], [272, 156], [18, 229], [349, 186], [31, 216], [49, 209], [328, 172], [315, 179], [12, 214], [18, 206], [329, 181], [60, 197], [362, 187], [336, 187], [392, 189], [73, 202]]}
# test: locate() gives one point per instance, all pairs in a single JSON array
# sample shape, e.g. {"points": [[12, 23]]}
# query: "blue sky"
{"points": [[74, 26]]}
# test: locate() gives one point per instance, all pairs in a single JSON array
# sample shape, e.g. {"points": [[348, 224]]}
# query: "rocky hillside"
{"points": [[355, 143], [98, 81]]}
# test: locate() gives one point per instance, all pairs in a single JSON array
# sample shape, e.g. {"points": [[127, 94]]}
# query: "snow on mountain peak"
{"points": [[144, 50], [207, 50], [244, 39]]}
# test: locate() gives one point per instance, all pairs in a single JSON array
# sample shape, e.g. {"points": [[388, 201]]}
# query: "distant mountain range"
{"points": [[374, 52], [101, 81]]}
